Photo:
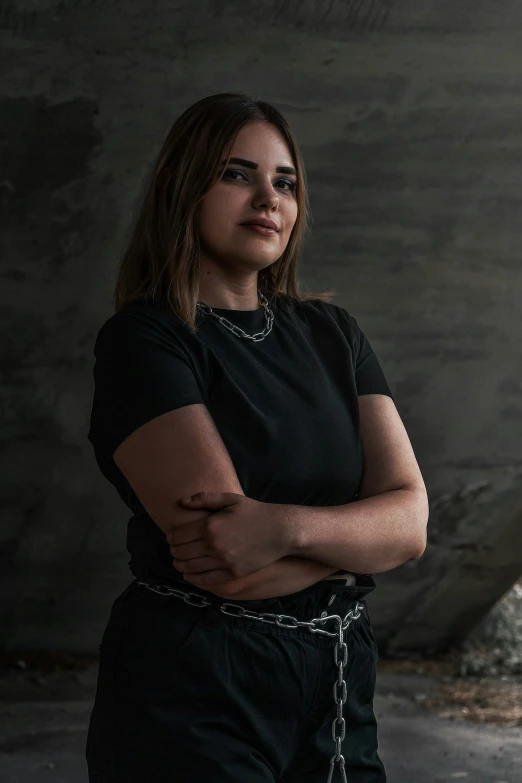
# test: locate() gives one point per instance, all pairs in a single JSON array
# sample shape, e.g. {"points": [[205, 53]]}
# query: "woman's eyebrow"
{"points": [[251, 165]]}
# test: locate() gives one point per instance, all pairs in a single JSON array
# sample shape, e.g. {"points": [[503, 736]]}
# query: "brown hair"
{"points": [[162, 257]]}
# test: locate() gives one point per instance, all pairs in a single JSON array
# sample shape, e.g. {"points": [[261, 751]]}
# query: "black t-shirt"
{"points": [[286, 406]]}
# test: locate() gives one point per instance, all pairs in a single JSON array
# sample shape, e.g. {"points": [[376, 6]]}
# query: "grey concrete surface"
{"points": [[44, 719], [408, 115]]}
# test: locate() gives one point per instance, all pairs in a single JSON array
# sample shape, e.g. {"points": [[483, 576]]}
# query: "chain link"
{"points": [[269, 318], [340, 648]]}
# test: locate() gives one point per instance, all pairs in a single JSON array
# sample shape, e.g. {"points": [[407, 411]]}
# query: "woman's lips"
{"points": [[268, 232]]}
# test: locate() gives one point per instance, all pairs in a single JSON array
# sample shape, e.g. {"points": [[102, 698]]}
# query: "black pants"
{"points": [[186, 695]]}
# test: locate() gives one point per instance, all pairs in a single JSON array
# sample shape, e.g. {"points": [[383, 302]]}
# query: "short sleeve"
{"points": [[369, 376], [140, 372]]}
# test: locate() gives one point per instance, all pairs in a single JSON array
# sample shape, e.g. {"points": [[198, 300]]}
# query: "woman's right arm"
{"points": [[176, 454]]}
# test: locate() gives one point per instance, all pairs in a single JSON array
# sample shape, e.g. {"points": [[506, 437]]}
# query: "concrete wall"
{"points": [[409, 117]]}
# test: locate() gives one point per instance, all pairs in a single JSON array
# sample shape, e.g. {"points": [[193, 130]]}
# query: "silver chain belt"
{"points": [[340, 649]]}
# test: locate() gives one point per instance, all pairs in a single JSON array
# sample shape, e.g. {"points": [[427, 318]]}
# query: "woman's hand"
{"points": [[285, 577], [241, 537]]}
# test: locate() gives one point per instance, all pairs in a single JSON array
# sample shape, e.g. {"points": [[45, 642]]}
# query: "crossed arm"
{"points": [[370, 535], [380, 531], [384, 528]]}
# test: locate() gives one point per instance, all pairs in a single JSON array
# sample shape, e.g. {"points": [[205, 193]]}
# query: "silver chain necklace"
{"points": [[269, 318]]}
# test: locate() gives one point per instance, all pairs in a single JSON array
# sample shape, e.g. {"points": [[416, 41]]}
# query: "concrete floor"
{"points": [[44, 717]]}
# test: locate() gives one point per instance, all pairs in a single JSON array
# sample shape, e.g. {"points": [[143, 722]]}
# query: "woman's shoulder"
{"points": [[142, 321], [146, 311]]}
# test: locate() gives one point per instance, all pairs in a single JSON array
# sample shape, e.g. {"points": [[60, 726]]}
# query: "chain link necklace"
{"points": [[269, 318]]}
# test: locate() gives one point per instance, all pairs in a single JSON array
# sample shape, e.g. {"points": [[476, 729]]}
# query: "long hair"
{"points": [[162, 257]]}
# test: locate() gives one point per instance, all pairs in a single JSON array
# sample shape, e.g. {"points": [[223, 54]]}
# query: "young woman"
{"points": [[242, 651]]}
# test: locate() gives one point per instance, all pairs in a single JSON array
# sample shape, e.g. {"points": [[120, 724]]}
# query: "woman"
{"points": [[217, 376]]}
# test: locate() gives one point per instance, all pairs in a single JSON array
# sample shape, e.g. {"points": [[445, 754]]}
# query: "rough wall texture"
{"points": [[408, 115]]}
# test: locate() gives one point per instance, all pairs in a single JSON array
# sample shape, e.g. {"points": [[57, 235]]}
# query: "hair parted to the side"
{"points": [[162, 257]]}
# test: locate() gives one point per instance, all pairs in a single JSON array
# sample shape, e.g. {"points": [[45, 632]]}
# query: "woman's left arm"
{"points": [[386, 526]]}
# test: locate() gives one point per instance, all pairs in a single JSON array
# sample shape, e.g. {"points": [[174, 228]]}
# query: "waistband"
{"points": [[304, 603]]}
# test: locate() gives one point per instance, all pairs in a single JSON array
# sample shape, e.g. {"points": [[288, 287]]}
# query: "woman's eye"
{"points": [[236, 171], [232, 171]]}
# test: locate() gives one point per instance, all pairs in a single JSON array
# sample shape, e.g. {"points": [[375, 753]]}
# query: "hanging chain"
{"points": [[287, 621]]}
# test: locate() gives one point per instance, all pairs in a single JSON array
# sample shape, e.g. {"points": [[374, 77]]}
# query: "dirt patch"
{"points": [[490, 702], [496, 701]]}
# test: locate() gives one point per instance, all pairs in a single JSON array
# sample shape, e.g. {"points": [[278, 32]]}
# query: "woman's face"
{"points": [[245, 193]]}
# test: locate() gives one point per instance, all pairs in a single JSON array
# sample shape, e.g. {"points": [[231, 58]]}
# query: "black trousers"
{"points": [[186, 695]]}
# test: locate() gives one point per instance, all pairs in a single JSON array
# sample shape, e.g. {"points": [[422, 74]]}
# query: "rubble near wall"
{"points": [[494, 647]]}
